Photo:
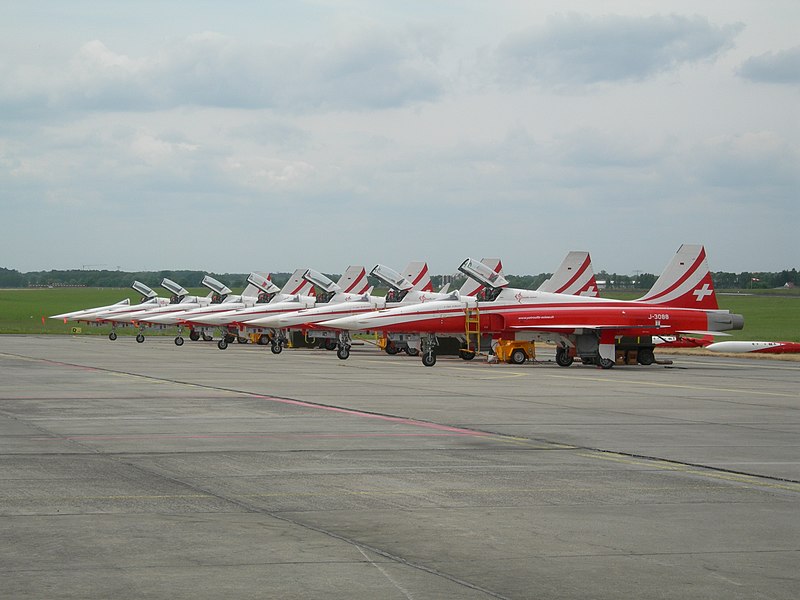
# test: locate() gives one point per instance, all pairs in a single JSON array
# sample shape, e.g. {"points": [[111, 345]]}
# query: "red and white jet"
{"points": [[352, 282], [681, 301], [223, 301], [402, 290]]}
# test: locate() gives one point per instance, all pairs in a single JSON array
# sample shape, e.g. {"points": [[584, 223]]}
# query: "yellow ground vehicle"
{"points": [[515, 352]]}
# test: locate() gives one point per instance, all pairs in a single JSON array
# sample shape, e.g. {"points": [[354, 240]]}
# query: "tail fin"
{"points": [[471, 287], [417, 273], [574, 276], [354, 280], [297, 285], [686, 282]]}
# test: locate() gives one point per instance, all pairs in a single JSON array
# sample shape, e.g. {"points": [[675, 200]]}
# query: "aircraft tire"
{"points": [[391, 349], [207, 338], [466, 354], [563, 359], [112, 336], [645, 357], [330, 344], [262, 340], [194, 336], [140, 338], [229, 338], [517, 357], [412, 351], [241, 340], [343, 352], [179, 341], [276, 347], [605, 363], [222, 344], [429, 359]]}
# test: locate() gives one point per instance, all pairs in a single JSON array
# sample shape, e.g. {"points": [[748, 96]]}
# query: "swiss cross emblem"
{"points": [[423, 298], [702, 292], [347, 298], [590, 291], [518, 296]]}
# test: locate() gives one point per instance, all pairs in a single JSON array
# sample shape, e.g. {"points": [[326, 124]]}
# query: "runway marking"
{"points": [[168, 436]]}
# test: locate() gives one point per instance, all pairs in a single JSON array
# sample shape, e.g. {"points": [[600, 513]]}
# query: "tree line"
{"points": [[11, 278]]}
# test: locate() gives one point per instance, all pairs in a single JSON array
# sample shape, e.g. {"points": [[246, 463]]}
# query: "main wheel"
{"points": [[518, 356], [207, 338], [645, 356], [242, 340], [112, 336], [330, 344], [179, 341], [262, 340], [229, 338], [391, 348], [276, 347], [466, 354], [194, 336], [140, 338], [429, 359], [412, 351], [563, 359], [222, 344], [606, 363], [343, 352]]}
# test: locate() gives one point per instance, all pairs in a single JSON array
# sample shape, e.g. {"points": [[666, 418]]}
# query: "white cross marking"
{"points": [[702, 292], [590, 291]]}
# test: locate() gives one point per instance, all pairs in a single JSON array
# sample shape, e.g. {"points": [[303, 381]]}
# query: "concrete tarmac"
{"points": [[151, 471]]}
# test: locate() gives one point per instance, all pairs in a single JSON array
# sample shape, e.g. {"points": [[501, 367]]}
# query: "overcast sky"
{"points": [[254, 135]]}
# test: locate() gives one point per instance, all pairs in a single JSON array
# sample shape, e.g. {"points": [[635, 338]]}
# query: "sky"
{"points": [[273, 135]]}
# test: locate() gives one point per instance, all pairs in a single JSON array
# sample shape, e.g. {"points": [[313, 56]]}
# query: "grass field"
{"points": [[767, 317]]}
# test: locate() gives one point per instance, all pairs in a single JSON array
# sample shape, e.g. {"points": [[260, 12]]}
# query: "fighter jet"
{"points": [[401, 290], [224, 301], [168, 316], [352, 282], [681, 301], [106, 315]]}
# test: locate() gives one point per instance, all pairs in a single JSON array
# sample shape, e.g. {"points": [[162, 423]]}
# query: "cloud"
{"points": [[773, 67], [582, 50], [372, 69]]}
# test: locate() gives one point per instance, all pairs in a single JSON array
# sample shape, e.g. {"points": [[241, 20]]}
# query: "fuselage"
{"points": [[520, 310]]}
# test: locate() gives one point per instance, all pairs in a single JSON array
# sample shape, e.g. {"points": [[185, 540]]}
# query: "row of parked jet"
{"points": [[566, 310]]}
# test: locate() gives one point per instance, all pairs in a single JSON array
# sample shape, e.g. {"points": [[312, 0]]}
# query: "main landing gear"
{"points": [[343, 346], [112, 336]]}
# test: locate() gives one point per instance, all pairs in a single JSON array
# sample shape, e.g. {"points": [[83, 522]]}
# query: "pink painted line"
{"points": [[167, 436]]}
